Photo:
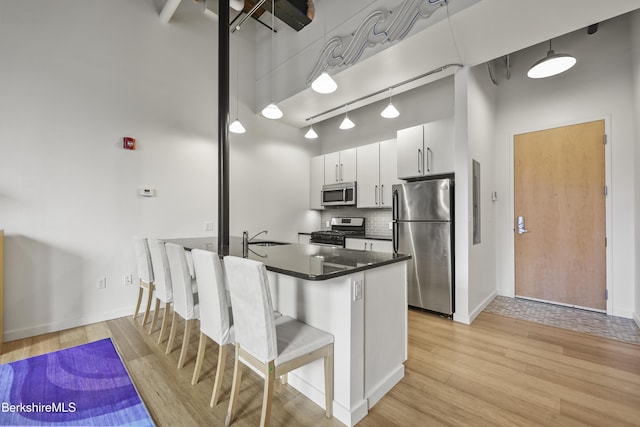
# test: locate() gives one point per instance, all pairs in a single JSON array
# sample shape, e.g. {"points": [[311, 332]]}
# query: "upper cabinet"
{"points": [[377, 172], [340, 166], [426, 149], [317, 180]]}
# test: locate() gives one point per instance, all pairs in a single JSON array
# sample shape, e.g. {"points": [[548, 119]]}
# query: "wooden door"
{"points": [[560, 192]]}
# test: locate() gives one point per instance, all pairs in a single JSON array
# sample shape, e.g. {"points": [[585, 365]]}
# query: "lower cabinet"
{"points": [[369, 245]]}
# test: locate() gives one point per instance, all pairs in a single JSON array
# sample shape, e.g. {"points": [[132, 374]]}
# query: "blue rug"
{"points": [[85, 385]]}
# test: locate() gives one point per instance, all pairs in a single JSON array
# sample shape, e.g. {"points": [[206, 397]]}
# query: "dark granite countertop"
{"points": [[309, 262]]}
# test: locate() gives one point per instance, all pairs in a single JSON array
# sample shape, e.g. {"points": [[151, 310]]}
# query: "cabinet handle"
{"points": [[336, 173], [365, 246], [382, 194], [375, 195], [341, 172], [419, 156], [429, 159]]}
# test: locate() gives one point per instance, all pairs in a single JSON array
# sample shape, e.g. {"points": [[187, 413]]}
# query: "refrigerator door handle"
{"points": [[394, 237], [394, 215]]}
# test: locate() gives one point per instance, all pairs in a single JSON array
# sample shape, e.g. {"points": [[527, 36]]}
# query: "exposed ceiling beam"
{"points": [[168, 10]]}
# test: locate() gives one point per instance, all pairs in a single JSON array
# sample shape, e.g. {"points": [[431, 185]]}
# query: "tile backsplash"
{"points": [[376, 220]]}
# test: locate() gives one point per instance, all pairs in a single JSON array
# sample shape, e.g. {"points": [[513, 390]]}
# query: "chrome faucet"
{"points": [[257, 234], [246, 239]]}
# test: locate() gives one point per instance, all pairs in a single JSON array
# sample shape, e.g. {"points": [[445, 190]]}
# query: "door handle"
{"points": [[521, 229]]}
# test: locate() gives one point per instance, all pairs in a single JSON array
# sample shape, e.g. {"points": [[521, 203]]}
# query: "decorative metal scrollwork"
{"points": [[380, 26]]}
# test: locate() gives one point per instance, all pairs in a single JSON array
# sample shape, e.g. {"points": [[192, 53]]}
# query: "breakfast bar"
{"points": [[358, 296]]}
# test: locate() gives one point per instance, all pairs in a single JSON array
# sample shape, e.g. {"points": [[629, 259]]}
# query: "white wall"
{"points": [[635, 55], [598, 87], [76, 77], [481, 130]]}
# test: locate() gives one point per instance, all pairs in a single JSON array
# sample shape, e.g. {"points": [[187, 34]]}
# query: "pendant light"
{"points": [[272, 111], [236, 4], [324, 83], [391, 111], [311, 134], [550, 65], [346, 123], [236, 126]]}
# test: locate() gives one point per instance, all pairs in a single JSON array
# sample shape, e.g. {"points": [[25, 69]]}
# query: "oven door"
{"points": [[321, 242]]}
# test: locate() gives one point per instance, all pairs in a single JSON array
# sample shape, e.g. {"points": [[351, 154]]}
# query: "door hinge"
{"points": [[606, 190], [606, 242], [604, 139], [606, 294]]}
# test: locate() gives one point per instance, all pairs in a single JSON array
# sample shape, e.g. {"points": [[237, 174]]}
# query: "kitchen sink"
{"points": [[268, 243]]}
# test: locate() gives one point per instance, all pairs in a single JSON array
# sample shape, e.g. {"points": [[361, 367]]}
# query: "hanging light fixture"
{"points": [[550, 65], [391, 111], [236, 126], [236, 4], [346, 123], [272, 111], [311, 134], [324, 83]]}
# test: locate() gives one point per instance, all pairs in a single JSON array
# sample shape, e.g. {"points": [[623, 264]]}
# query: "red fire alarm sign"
{"points": [[128, 143]]}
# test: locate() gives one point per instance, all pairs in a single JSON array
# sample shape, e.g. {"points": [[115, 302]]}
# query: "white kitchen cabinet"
{"points": [[369, 244], [426, 149], [388, 171], [340, 166], [376, 173], [316, 182]]}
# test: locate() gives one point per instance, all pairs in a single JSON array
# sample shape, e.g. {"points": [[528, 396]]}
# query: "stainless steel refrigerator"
{"points": [[423, 228]]}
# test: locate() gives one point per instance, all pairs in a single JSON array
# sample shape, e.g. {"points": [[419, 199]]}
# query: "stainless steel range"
{"points": [[341, 228]]}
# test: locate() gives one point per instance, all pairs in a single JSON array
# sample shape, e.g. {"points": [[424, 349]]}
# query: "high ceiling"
{"points": [[477, 32], [482, 32]]}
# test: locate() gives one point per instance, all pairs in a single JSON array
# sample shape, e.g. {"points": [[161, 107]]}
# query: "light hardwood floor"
{"points": [[497, 372]]}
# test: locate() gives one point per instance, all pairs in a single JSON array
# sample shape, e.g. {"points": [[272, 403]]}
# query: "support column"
{"points": [[223, 128]]}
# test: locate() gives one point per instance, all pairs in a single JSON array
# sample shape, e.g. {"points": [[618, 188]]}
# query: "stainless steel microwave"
{"points": [[340, 194]]}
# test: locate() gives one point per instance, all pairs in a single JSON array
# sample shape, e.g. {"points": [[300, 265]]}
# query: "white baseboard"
{"points": [[506, 293], [33, 331], [636, 317], [384, 386], [348, 416], [475, 313]]}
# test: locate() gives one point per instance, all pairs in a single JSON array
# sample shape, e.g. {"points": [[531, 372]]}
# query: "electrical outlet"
{"points": [[101, 283], [390, 225], [328, 224], [208, 226], [128, 279]]}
